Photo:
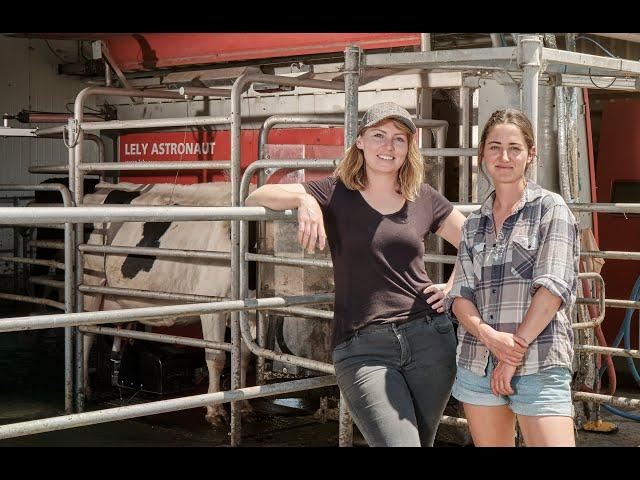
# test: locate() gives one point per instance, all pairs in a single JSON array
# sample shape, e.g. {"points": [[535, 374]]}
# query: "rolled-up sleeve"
{"points": [[556, 267], [463, 280]]}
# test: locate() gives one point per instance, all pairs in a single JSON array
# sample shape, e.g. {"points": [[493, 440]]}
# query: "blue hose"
{"points": [[625, 333]]}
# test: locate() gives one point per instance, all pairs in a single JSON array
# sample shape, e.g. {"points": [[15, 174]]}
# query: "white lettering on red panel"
{"points": [[169, 148]]}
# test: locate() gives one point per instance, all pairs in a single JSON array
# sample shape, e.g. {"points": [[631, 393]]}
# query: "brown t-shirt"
{"points": [[377, 259]]}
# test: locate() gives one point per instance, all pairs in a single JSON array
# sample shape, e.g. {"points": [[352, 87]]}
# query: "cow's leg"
{"points": [[245, 407], [88, 340], [213, 328]]}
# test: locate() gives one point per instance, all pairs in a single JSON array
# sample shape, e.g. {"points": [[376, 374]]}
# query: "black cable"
{"points": [[593, 41], [594, 83]]}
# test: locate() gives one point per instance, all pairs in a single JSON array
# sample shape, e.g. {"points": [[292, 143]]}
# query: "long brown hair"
{"points": [[352, 172]]}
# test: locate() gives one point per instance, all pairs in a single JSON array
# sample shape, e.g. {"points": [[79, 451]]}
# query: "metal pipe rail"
{"points": [[46, 244], [274, 120], [157, 337], [613, 255], [256, 349], [163, 406], [69, 293], [298, 262], [600, 301], [154, 252], [126, 213], [153, 123], [36, 300], [316, 262], [47, 281], [574, 207], [262, 164], [204, 92], [611, 302], [304, 312], [131, 166], [32, 261], [127, 315], [133, 293], [614, 352], [622, 402], [449, 152], [52, 169], [504, 58]]}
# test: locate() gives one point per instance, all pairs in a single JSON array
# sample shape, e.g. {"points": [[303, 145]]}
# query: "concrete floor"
{"points": [[31, 381]]}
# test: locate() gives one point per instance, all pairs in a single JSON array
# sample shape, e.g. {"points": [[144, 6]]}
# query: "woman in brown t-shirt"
{"points": [[394, 350]]}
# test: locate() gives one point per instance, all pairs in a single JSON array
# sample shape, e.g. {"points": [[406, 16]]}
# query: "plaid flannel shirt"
{"points": [[538, 245]]}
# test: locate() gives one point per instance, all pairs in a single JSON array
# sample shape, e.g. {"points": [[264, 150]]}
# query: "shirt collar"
{"points": [[531, 192]]}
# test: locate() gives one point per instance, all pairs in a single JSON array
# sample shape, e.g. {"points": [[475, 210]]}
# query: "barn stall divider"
{"points": [[76, 169]]}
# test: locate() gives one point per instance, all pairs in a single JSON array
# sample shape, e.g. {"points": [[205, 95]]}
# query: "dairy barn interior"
{"points": [[105, 134]]}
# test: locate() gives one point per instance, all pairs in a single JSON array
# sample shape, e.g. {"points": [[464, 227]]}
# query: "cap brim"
{"points": [[410, 125]]}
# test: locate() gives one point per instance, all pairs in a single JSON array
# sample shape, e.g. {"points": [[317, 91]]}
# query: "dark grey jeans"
{"points": [[397, 379]]}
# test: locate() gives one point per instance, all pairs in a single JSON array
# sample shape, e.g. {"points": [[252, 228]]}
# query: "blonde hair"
{"points": [[352, 172]]}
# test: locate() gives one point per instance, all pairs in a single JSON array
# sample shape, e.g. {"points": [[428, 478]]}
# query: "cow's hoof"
{"points": [[218, 420]]}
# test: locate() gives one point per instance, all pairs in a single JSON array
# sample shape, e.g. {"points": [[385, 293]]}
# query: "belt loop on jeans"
{"points": [[428, 318]]}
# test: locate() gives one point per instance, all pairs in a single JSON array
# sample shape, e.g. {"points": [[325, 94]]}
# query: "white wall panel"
{"points": [[29, 80]]}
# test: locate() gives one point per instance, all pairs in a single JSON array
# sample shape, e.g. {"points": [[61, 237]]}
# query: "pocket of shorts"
{"points": [[523, 256]]}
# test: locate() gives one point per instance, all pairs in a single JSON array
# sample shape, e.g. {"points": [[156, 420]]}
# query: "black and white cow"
{"points": [[175, 275]]}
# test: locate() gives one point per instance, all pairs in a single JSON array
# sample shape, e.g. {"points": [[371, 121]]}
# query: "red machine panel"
{"points": [[194, 146], [619, 167], [145, 51]]}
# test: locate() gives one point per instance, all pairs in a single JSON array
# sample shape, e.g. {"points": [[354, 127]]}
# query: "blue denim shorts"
{"points": [[547, 392]]}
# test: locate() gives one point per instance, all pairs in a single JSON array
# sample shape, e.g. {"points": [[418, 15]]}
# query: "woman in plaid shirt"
{"points": [[515, 283]]}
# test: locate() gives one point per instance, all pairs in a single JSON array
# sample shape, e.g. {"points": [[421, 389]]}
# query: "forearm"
{"points": [[543, 308], [274, 197], [469, 316]]}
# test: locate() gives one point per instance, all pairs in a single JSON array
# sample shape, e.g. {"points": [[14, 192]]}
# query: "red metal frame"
{"points": [[618, 159], [146, 51]]}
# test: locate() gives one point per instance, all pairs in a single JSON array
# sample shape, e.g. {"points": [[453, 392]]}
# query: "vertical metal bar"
{"points": [[16, 253], [107, 74], [236, 126], [530, 53], [75, 179], [463, 184], [68, 308], [474, 141], [425, 97], [425, 110], [351, 80]]}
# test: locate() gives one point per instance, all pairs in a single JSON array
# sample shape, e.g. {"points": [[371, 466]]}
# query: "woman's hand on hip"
{"points": [[310, 224], [437, 299]]}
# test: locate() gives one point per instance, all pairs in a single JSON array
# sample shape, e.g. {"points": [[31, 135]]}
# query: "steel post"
{"points": [[530, 56]]}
